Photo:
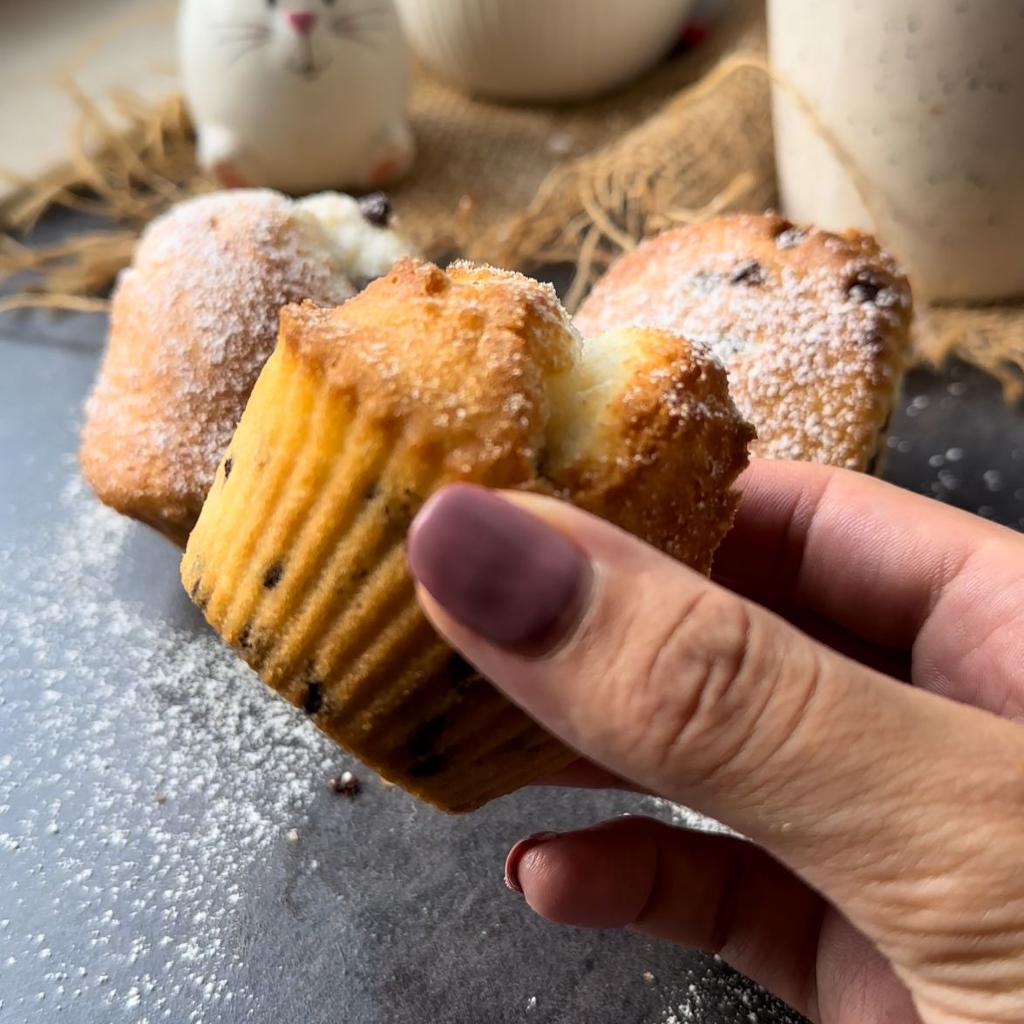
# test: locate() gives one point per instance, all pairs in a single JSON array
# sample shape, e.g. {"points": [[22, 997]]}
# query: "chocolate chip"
{"points": [[229, 464], [314, 698], [273, 575], [345, 784], [424, 739], [868, 286], [460, 673], [376, 209], [751, 272], [428, 767], [790, 237], [245, 637]]}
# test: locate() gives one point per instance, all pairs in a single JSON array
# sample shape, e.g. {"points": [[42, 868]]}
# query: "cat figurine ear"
{"points": [[297, 95]]}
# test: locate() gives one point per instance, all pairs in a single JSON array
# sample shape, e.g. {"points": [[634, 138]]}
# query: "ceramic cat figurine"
{"points": [[297, 95]]}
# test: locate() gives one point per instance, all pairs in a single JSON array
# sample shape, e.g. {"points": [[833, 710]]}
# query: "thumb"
{"points": [[682, 687]]}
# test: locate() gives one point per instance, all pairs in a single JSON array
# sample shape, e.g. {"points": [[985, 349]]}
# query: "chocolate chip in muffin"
{"points": [[460, 673], [790, 236], [376, 209], [229, 464], [428, 767], [273, 575], [424, 739], [869, 286], [427, 760], [750, 272], [314, 698]]}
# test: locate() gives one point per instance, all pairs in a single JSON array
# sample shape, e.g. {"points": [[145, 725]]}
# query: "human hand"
{"points": [[884, 876]]}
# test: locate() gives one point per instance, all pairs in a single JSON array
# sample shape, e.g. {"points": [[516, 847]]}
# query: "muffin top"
{"points": [[813, 327], [193, 321], [478, 374]]}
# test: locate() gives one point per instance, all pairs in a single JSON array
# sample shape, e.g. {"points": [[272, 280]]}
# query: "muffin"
{"points": [[194, 320], [365, 410], [814, 328]]}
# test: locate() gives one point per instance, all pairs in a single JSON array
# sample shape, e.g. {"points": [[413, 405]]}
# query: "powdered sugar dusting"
{"points": [[186, 779], [697, 1006], [812, 327], [193, 322]]}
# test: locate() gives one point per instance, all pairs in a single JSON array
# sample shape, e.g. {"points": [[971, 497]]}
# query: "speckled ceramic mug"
{"points": [[924, 102]]}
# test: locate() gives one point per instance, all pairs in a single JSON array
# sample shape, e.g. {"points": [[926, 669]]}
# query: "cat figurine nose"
{"points": [[302, 21]]}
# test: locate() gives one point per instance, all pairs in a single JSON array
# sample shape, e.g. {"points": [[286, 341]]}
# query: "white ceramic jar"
{"points": [[925, 98], [541, 49]]}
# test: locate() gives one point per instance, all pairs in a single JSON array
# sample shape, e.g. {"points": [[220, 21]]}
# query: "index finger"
{"points": [[864, 554]]}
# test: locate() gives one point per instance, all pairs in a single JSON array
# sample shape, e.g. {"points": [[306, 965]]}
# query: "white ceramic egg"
{"points": [[541, 49], [297, 95]]}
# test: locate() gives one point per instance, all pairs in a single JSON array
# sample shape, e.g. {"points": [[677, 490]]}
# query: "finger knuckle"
{"points": [[695, 690]]}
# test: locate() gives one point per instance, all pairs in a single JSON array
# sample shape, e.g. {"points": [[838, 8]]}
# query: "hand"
{"points": [[883, 879]]}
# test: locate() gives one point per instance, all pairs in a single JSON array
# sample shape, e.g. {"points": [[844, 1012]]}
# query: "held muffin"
{"points": [[365, 410], [194, 320], [814, 328]]}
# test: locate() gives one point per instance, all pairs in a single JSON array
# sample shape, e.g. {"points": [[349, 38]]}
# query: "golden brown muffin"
{"points": [[365, 410], [814, 328], [193, 321]]}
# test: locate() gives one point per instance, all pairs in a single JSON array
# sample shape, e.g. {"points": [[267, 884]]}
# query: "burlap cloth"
{"points": [[512, 185]]}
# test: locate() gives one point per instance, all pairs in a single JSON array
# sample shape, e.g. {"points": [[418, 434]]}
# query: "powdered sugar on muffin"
{"points": [[193, 321], [813, 328]]}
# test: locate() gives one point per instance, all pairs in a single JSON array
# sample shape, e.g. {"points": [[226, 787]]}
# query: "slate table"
{"points": [[170, 849]]}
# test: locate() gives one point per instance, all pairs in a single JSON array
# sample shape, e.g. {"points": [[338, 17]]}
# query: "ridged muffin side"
{"points": [[364, 411]]}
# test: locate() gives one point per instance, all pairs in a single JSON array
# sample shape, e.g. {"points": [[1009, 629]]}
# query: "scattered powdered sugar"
{"points": [[183, 780], [684, 817], [703, 1002]]}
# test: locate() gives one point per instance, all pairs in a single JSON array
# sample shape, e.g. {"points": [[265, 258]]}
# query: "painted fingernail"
{"points": [[518, 852], [497, 570]]}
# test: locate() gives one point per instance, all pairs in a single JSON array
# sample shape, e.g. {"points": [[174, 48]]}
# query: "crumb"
{"points": [[292, 835], [649, 978], [345, 784]]}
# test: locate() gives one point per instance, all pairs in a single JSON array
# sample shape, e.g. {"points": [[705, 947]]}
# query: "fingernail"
{"points": [[497, 570], [518, 852]]}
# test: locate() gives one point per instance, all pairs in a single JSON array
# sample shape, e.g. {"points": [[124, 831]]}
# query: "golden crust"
{"points": [[456, 363], [426, 377], [814, 328], [480, 374], [192, 324], [664, 450]]}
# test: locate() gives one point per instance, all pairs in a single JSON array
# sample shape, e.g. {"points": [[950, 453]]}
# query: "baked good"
{"points": [[362, 412], [814, 328], [194, 320]]}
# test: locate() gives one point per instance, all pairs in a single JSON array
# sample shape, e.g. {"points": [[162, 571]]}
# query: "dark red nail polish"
{"points": [[506, 575], [518, 852]]}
